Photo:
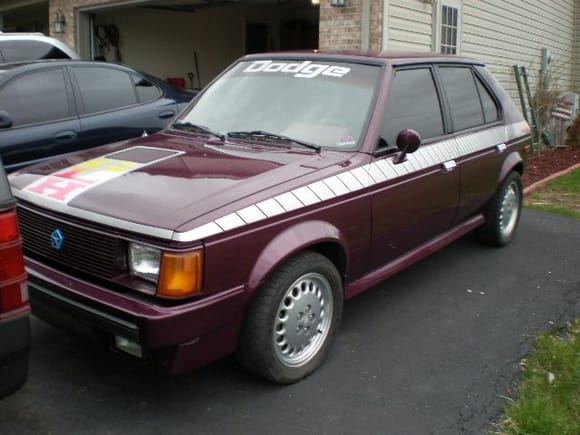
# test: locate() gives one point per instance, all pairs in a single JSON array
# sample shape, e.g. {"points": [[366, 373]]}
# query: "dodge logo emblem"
{"points": [[57, 239]]}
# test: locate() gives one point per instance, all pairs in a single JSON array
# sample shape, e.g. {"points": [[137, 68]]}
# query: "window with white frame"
{"points": [[449, 29]]}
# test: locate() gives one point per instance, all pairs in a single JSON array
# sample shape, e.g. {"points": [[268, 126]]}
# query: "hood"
{"points": [[164, 180]]}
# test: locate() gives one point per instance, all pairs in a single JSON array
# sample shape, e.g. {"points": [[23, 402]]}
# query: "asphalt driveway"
{"points": [[432, 350]]}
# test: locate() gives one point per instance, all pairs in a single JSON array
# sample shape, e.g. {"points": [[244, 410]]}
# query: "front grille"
{"points": [[89, 251]]}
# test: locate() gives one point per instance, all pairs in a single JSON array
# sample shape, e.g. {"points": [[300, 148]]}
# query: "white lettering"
{"points": [[274, 67], [258, 65], [311, 70], [306, 69], [295, 67], [336, 71]]}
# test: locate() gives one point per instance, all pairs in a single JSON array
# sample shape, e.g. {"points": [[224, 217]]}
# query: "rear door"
{"points": [[476, 122], [44, 121], [117, 104], [417, 199]]}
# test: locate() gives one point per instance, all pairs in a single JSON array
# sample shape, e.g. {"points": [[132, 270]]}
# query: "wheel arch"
{"points": [[513, 162], [318, 236]]}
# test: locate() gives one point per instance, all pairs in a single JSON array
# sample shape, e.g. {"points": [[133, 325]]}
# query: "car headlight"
{"points": [[177, 274], [144, 262]]}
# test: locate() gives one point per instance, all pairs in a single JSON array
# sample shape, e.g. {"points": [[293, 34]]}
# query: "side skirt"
{"points": [[354, 288]]}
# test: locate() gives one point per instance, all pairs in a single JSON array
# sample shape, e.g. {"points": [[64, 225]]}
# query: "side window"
{"points": [[412, 103], [490, 110], [463, 97], [146, 91], [104, 88], [36, 97], [15, 51]]}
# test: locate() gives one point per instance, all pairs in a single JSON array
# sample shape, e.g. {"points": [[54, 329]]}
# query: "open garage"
{"points": [[191, 42]]}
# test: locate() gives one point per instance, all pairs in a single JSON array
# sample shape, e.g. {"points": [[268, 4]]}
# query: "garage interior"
{"points": [[190, 42], [28, 18]]}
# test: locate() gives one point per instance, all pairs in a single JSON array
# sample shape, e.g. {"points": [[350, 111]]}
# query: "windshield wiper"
{"points": [[188, 126], [260, 134]]}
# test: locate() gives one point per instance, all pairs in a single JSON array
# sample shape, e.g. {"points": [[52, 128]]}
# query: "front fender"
{"points": [[292, 240]]}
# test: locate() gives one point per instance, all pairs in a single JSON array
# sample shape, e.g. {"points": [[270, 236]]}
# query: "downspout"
{"points": [[365, 31]]}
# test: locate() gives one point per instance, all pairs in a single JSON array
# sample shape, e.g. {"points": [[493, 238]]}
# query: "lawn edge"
{"points": [[535, 186]]}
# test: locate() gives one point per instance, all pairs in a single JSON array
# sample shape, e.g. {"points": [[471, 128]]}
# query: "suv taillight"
{"points": [[13, 290]]}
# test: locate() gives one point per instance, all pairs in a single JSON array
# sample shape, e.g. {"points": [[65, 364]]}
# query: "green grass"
{"points": [[549, 394], [560, 196], [567, 183]]}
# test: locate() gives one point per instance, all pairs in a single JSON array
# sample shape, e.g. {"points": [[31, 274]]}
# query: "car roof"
{"points": [[30, 65], [382, 57], [17, 36]]}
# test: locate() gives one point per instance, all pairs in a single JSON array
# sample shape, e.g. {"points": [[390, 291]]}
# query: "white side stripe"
{"points": [[358, 178]]}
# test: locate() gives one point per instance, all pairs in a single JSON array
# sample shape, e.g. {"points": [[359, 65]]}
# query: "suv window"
{"points": [[463, 96], [36, 97], [16, 51], [412, 103], [104, 88]]}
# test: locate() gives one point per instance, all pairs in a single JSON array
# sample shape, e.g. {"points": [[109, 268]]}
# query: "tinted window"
{"points": [[36, 97], [463, 97], [490, 111], [146, 91], [104, 88], [412, 103], [15, 51]]}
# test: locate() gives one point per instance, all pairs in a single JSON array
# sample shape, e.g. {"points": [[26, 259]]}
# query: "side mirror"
{"points": [[5, 119], [408, 141]]}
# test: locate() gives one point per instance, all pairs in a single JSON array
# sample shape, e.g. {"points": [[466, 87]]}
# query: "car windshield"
{"points": [[321, 103]]}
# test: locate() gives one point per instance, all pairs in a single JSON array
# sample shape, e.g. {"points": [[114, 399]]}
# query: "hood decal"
{"points": [[65, 185]]}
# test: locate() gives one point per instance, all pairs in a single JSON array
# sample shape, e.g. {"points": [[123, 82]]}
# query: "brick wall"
{"points": [[340, 27]]}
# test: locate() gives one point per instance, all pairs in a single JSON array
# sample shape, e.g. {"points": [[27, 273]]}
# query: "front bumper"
{"points": [[14, 345], [175, 338]]}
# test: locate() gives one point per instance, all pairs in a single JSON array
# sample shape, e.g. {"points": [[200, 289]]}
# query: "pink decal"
{"points": [[59, 189]]}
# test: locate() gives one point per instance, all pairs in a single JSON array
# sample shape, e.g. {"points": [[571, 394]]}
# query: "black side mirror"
{"points": [[5, 119], [408, 141]]}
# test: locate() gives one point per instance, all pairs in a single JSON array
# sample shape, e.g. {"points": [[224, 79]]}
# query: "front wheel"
{"points": [[290, 326], [503, 213]]}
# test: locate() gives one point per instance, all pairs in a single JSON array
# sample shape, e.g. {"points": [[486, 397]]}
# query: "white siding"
{"points": [[504, 33], [501, 33], [409, 25]]}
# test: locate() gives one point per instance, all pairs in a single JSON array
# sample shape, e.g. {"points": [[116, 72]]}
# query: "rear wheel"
{"points": [[289, 328], [503, 213]]}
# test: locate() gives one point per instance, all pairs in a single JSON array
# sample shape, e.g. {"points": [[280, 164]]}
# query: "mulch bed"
{"points": [[548, 162]]}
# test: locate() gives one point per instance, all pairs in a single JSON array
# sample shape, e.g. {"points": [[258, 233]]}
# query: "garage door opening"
{"points": [[193, 41]]}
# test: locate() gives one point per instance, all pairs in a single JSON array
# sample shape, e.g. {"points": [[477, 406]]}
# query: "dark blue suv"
{"points": [[54, 107]]}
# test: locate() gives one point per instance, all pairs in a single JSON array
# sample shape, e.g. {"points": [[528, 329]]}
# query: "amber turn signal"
{"points": [[181, 275]]}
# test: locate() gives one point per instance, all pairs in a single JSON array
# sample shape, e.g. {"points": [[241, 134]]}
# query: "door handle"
{"points": [[449, 165], [166, 114], [65, 136]]}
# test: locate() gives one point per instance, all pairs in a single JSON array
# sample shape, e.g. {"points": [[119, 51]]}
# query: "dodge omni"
{"points": [[291, 183]]}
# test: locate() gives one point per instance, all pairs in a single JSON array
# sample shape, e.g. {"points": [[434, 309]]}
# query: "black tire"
{"points": [[288, 329], [503, 213]]}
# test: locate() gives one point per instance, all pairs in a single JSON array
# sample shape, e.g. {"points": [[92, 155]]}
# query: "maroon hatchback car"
{"points": [[291, 183]]}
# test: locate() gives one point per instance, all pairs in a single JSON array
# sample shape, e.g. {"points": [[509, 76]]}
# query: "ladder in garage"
{"points": [[528, 108]]}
